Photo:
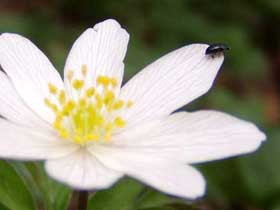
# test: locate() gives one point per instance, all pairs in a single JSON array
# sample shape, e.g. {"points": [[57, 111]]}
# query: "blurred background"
{"points": [[248, 86]]}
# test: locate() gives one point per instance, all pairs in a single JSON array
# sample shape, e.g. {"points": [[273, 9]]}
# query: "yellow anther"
{"points": [[52, 88], [63, 133], [91, 109], [109, 127], [82, 102], [78, 139], [65, 112], [78, 84], [48, 102], [84, 70], [99, 80], [108, 131], [62, 97], [119, 122], [118, 104], [99, 101], [109, 97], [70, 105], [99, 120], [103, 80], [92, 137], [79, 131], [129, 104], [69, 75], [51, 105], [57, 124], [90, 92], [114, 82], [107, 136], [59, 117], [54, 108]]}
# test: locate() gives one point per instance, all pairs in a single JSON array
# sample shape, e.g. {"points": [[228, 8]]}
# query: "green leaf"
{"points": [[61, 198], [151, 199], [56, 196], [13, 191], [122, 196], [261, 171], [219, 176], [161, 208], [49, 194], [2, 207], [249, 108]]}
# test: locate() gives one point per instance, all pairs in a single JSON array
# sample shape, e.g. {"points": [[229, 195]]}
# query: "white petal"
{"points": [[13, 108], [102, 49], [170, 82], [218, 135], [30, 71], [169, 177], [193, 137], [21, 143], [82, 170]]}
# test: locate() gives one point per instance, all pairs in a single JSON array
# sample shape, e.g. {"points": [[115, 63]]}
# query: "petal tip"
{"points": [[10, 35], [113, 25], [107, 23], [261, 138], [199, 188]]}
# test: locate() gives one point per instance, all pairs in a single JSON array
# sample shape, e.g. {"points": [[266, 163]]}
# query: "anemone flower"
{"points": [[90, 131]]}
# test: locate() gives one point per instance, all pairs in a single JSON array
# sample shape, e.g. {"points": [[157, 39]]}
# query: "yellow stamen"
{"points": [[114, 82], [68, 107], [92, 137], [129, 104], [103, 80], [82, 102], [62, 97], [90, 92], [70, 75], [99, 101], [118, 104], [84, 70], [109, 97], [51, 105], [119, 122], [52, 88], [78, 139], [63, 133], [78, 84], [48, 103], [91, 114], [107, 137], [57, 124]]}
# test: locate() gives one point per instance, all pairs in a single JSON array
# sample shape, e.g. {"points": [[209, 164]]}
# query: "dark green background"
{"points": [[247, 86]]}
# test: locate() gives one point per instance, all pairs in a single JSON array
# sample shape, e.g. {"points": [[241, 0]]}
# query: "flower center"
{"points": [[92, 115]]}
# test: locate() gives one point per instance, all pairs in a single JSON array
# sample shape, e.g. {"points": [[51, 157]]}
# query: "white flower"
{"points": [[91, 131]]}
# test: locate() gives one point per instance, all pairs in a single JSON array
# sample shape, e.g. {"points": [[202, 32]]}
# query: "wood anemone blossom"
{"points": [[91, 131]]}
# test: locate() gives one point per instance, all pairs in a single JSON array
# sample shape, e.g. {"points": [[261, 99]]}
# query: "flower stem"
{"points": [[79, 200], [82, 200]]}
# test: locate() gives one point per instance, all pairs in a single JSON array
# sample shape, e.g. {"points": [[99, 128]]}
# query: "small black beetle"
{"points": [[216, 49]]}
